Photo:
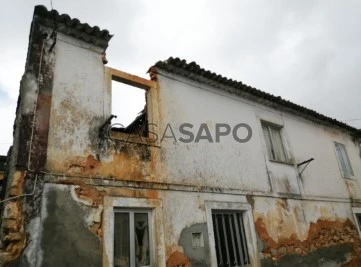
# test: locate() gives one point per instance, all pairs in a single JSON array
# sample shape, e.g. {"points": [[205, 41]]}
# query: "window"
{"points": [[358, 217], [343, 160], [121, 241], [132, 238], [275, 149], [230, 238], [129, 105], [132, 100]]}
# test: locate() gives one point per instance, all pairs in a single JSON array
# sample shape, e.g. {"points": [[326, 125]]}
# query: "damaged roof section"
{"points": [[72, 27], [196, 73]]}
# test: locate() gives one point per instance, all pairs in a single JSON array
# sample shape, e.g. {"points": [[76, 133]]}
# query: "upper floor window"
{"points": [[129, 105], [133, 100], [273, 138], [343, 160]]}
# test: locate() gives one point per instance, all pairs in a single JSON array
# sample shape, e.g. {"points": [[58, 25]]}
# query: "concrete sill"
{"points": [[282, 162], [349, 178], [130, 138]]}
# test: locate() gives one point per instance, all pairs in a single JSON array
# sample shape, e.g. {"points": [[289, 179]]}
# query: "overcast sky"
{"points": [[308, 52]]}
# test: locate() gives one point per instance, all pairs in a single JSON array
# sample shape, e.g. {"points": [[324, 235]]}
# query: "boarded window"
{"points": [[343, 160], [132, 246], [230, 238], [275, 148]]}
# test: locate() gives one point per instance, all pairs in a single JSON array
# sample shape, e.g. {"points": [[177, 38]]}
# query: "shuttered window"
{"points": [[343, 160], [230, 239], [275, 149]]}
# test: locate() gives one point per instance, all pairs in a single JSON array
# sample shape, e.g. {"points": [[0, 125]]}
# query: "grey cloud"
{"points": [[305, 51]]}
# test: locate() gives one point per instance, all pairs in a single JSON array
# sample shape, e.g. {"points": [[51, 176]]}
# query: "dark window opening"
{"points": [[358, 216], [274, 143], [343, 159], [230, 239]]}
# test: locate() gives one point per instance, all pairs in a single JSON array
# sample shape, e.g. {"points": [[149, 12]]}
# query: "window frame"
{"points": [[341, 161], [270, 150], [156, 224], [131, 213], [248, 223], [151, 100], [357, 213], [241, 241], [128, 87]]}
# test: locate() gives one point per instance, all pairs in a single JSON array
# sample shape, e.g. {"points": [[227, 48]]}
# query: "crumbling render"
{"points": [[91, 197], [14, 238], [322, 234], [82, 163], [178, 259]]}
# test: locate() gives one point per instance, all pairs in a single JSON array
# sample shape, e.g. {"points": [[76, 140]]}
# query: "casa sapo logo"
{"points": [[184, 133]]}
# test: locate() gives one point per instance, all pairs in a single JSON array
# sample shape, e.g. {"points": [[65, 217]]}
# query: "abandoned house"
{"points": [[211, 173]]}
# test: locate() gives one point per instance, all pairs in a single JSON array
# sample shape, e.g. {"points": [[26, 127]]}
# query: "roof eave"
{"points": [[72, 27], [194, 72]]}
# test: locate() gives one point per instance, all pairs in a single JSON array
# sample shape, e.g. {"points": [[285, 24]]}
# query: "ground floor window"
{"points": [[358, 218], [132, 247], [230, 238]]}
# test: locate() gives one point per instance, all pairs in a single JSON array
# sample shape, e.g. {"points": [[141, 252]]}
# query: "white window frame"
{"points": [[341, 161], [355, 212], [248, 223], [269, 150], [131, 213], [156, 233]]}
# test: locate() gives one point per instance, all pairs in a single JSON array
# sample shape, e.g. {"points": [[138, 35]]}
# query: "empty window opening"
{"points": [[230, 238], [129, 105], [132, 246], [273, 138], [343, 160]]}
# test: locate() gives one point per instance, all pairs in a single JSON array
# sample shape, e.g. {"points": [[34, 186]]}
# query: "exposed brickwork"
{"points": [[178, 259], [13, 234], [321, 234], [90, 194]]}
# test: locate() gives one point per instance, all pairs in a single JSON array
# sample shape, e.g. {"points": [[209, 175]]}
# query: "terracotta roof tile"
{"points": [[72, 27], [194, 72]]}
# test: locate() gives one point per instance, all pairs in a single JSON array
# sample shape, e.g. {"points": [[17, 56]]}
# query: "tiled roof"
{"points": [[72, 27], [194, 72]]}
